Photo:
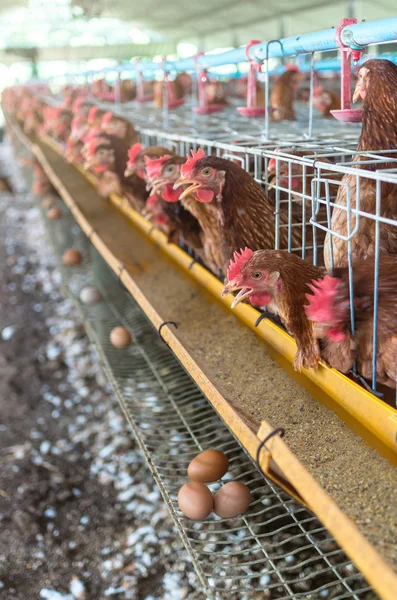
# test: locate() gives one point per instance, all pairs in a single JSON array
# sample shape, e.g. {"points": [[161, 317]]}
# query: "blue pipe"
{"points": [[330, 64], [361, 34]]}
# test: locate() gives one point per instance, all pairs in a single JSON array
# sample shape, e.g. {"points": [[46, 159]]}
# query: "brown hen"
{"points": [[283, 94], [232, 208], [329, 309], [377, 86]]}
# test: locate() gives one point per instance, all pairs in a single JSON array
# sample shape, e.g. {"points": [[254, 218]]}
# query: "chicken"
{"points": [[325, 101], [136, 158], [280, 281], [127, 90], [161, 175], [100, 88], [185, 81], [283, 94], [172, 89], [215, 93], [238, 88], [119, 127], [329, 309], [61, 127], [377, 86], [106, 156], [231, 208]]}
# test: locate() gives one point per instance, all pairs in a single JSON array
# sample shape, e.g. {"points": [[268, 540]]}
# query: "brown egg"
{"points": [[208, 466], [120, 337], [71, 256], [231, 499], [54, 213], [195, 500]]}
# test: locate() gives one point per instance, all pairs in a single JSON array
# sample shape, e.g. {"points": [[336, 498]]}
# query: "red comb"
{"points": [[153, 166], [320, 307], [91, 147], [92, 114], [188, 167], [272, 162], [133, 153], [107, 117], [237, 263]]}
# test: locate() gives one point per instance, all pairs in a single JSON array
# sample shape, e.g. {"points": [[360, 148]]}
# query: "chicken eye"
{"points": [[170, 170], [257, 275], [206, 172]]}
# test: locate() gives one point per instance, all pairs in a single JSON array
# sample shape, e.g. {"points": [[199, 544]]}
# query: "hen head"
{"points": [[376, 78], [283, 172], [161, 174], [112, 125], [205, 181], [99, 156], [253, 277], [322, 99], [136, 163], [328, 308]]}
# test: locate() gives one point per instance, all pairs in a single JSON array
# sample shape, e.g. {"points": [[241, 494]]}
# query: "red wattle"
{"points": [[260, 299], [204, 195], [335, 334], [169, 194]]}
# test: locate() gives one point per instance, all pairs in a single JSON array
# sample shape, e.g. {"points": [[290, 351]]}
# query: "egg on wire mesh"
{"points": [[208, 466], [231, 500], [90, 295], [195, 500], [71, 256], [120, 337], [54, 213]]}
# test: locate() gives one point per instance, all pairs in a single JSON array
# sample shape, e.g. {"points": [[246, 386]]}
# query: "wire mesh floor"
{"points": [[277, 549]]}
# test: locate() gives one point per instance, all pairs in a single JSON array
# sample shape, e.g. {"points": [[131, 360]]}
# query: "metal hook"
{"points": [[162, 325], [121, 269], [279, 430], [267, 90]]}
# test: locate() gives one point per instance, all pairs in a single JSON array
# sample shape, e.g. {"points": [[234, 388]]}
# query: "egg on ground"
{"points": [[195, 500], [71, 256], [120, 337], [208, 466], [90, 295], [231, 499]]}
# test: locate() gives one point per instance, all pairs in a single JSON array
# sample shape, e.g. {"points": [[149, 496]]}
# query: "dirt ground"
{"points": [[81, 518]]}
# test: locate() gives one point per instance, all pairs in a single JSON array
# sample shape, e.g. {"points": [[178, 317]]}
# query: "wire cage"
{"points": [[303, 177]]}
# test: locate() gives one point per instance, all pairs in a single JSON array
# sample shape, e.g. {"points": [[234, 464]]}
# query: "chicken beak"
{"points": [[243, 293], [155, 185], [193, 186], [359, 92]]}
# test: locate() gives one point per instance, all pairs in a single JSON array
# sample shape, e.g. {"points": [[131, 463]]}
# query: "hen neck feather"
{"points": [[379, 129]]}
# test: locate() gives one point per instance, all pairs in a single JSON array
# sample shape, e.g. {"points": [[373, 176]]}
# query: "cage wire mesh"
{"points": [[302, 177], [277, 549]]}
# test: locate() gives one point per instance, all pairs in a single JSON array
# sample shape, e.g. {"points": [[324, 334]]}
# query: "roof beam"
{"points": [[258, 18]]}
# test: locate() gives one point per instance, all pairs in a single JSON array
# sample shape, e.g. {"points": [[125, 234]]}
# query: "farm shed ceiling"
{"points": [[208, 24]]}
